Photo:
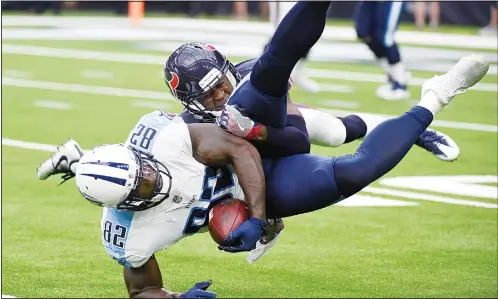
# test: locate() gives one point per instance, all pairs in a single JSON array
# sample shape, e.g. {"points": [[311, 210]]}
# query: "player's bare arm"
{"points": [[146, 281], [213, 146]]}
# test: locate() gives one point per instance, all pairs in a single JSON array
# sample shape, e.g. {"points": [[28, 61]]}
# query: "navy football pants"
{"points": [[264, 94], [304, 183]]}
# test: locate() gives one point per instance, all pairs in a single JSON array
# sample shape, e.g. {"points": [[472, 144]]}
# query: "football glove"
{"points": [[199, 291], [233, 121]]}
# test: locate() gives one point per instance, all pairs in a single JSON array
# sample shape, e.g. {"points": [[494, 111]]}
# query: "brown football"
{"points": [[225, 217]]}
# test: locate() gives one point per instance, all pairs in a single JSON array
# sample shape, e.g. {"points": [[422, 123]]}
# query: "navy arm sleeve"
{"points": [[288, 141]]}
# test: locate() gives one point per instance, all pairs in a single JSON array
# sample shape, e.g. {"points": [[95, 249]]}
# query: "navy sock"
{"points": [[381, 151], [392, 54], [377, 48], [356, 128], [299, 30]]}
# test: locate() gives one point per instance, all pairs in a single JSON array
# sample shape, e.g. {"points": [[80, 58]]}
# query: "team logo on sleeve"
{"points": [[173, 81]]}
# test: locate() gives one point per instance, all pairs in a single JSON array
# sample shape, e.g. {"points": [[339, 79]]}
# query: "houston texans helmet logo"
{"points": [[209, 47], [173, 81]]}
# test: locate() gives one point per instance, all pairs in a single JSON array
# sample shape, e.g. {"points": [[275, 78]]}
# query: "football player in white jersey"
{"points": [[163, 158]]}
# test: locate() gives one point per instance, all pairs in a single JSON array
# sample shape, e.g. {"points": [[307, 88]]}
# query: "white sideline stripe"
{"points": [[159, 60], [435, 198], [53, 105], [148, 94]]}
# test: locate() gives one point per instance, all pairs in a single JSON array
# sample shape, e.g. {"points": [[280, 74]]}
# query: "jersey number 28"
{"points": [[143, 136]]}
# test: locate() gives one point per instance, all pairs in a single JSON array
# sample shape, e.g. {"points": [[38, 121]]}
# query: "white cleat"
{"points": [[466, 73], [388, 93], [439, 144], [60, 162]]}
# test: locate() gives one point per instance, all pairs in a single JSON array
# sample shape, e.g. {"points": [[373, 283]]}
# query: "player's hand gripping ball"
{"points": [[225, 217]]}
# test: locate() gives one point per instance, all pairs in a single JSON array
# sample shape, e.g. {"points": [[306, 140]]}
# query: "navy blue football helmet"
{"points": [[193, 70]]}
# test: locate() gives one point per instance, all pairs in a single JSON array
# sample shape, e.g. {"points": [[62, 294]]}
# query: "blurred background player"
{"points": [[376, 23], [421, 13], [491, 28], [278, 9]]}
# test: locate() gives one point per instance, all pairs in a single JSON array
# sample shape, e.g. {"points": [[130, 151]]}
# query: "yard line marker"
{"points": [[16, 74], [340, 104], [53, 104], [150, 104], [96, 74], [429, 197]]}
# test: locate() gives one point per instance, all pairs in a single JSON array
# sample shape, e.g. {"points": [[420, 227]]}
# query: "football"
{"points": [[225, 217]]}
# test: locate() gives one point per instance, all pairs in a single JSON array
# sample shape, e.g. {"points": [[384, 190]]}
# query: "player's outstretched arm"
{"points": [[212, 146], [146, 282]]}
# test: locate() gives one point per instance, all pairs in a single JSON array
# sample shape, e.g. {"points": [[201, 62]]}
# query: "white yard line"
{"points": [[53, 104], [148, 94], [429, 197], [151, 105], [97, 74], [159, 60]]}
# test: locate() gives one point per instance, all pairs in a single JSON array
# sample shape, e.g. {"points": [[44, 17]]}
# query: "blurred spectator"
{"points": [[240, 10], [421, 14], [264, 10], [40, 7], [491, 28]]}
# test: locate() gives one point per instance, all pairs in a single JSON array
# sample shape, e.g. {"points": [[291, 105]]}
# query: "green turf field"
{"points": [[51, 243]]}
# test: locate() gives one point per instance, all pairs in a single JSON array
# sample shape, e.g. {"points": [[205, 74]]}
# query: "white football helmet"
{"points": [[118, 176]]}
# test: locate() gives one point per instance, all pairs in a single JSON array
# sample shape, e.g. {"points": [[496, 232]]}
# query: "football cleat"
{"points": [[393, 92], [60, 162], [439, 144], [466, 73]]}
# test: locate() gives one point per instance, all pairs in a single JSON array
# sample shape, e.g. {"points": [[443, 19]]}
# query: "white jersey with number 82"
{"points": [[132, 238]]}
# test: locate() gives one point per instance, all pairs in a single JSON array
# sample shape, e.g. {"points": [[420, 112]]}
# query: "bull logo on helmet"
{"points": [[173, 81], [209, 47]]}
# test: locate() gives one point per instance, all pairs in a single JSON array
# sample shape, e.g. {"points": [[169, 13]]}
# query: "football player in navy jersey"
{"points": [[203, 79]]}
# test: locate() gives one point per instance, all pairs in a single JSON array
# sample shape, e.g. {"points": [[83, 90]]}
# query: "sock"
{"points": [[384, 64], [430, 102], [356, 128], [392, 54], [398, 73]]}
